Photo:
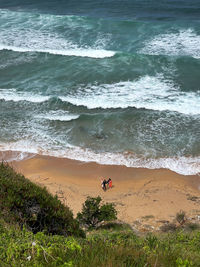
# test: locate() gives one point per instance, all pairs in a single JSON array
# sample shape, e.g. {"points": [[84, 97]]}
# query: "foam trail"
{"points": [[182, 165], [79, 52], [13, 95], [148, 92]]}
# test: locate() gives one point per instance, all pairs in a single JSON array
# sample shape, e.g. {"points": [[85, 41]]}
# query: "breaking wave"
{"points": [[79, 52], [59, 115], [153, 93], [148, 92]]}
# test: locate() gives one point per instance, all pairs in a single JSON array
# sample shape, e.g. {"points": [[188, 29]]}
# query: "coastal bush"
{"points": [[93, 213], [28, 204]]}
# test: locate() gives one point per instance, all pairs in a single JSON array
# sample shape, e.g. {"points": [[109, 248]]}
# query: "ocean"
{"points": [[114, 82]]}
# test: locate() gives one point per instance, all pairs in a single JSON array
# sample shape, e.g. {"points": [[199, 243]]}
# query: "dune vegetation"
{"points": [[36, 229]]}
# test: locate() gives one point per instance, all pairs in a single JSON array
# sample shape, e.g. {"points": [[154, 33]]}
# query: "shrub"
{"points": [[92, 213], [28, 204], [181, 217]]}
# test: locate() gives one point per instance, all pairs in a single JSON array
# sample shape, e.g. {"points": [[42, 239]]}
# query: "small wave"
{"points": [[79, 52], [13, 95], [148, 92], [182, 43], [58, 115], [182, 165]]}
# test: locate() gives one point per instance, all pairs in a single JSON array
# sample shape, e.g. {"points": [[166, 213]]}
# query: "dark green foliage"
{"points": [[93, 213], [25, 203]]}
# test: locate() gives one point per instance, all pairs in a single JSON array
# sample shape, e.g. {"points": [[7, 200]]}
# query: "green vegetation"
{"points": [[25, 203], [116, 247], [111, 244], [93, 213]]}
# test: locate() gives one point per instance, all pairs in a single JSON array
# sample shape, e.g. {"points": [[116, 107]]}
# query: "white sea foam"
{"points": [[154, 93], [182, 165], [182, 43], [13, 95], [79, 52], [59, 115], [148, 92], [26, 32]]}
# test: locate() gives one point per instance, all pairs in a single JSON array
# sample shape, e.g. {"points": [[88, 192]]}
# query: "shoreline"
{"points": [[143, 197], [184, 165]]}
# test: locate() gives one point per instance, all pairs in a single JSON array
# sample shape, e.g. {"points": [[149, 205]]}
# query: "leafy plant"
{"points": [[93, 213], [181, 217]]}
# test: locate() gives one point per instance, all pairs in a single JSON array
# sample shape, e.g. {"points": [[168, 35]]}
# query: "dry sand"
{"points": [[143, 197]]}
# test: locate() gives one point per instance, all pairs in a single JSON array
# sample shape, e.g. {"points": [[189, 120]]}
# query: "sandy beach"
{"points": [[144, 198]]}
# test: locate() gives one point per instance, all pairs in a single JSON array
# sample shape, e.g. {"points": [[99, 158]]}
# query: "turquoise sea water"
{"points": [[116, 82]]}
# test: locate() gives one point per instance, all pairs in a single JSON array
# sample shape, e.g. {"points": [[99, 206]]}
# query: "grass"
{"points": [[120, 248]]}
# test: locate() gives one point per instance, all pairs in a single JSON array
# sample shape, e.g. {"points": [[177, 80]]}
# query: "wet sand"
{"points": [[143, 197]]}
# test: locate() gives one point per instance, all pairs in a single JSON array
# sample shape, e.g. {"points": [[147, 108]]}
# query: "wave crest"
{"points": [[58, 115], [79, 52], [154, 93], [22, 32]]}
